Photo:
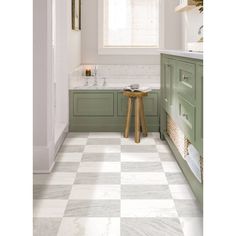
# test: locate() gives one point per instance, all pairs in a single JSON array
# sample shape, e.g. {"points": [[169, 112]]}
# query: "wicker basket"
{"points": [[180, 140]]}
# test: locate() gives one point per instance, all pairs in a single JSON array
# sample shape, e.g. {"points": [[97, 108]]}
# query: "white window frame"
{"points": [[129, 50]]}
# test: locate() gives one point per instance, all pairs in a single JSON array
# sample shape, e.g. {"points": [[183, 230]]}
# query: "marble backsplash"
{"points": [[120, 73]]}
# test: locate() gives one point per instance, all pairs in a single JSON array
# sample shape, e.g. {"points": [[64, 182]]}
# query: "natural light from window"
{"points": [[131, 24]]}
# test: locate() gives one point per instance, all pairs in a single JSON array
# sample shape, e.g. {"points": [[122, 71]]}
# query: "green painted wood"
{"points": [[93, 104], [150, 104], [199, 108], [167, 84], [94, 121], [187, 98], [196, 186], [186, 118], [186, 80]]}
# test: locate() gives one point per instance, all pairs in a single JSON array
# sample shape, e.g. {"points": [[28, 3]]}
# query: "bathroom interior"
{"points": [[118, 118]]}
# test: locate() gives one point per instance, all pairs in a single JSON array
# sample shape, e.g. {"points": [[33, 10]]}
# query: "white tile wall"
{"points": [[121, 73]]}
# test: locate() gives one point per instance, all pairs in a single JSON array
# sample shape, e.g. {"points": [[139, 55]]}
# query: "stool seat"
{"points": [[139, 114]]}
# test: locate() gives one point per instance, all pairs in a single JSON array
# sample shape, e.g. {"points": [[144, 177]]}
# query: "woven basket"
{"points": [[180, 140]]}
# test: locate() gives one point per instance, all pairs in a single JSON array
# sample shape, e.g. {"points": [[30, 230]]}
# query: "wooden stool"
{"points": [[139, 114]]}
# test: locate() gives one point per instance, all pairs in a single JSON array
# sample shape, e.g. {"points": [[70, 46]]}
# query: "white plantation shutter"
{"points": [[131, 23]]}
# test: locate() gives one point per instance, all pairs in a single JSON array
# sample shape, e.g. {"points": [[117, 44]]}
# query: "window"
{"points": [[129, 26]]}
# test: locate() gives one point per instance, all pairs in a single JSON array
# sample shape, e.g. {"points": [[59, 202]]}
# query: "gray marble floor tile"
{"points": [[138, 148], [89, 226], [55, 178], [101, 157], [176, 178], [145, 192], [65, 167], [188, 208], [72, 148], [166, 157], [51, 191], [150, 227], [103, 141], [97, 178], [77, 135], [141, 167], [46, 226], [93, 208]]}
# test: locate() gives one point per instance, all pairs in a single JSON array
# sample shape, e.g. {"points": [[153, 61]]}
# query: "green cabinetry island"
{"points": [[182, 102]]}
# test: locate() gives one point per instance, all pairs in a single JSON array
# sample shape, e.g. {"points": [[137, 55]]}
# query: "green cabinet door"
{"points": [[93, 104], [167, 84]]}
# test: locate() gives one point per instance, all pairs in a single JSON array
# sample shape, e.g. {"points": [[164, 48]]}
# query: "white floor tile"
{"points": [[75, 141], [49, 208], [163, 148], [143, 178], [170, 166], [143, 141], [99, 167], [105, 135], [95, 192], [181, 191], [55, 178], [102, 149], [148, 208], [140, 157], [69, 157], [89, 227], [192, 226]]}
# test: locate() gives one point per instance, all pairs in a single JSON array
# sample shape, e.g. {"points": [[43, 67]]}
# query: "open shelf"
{"points": [[185, 6]]}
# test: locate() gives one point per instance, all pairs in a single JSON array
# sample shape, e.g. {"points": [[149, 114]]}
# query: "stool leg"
{"points": [[137, 120], [128, 116], [142, 118]]}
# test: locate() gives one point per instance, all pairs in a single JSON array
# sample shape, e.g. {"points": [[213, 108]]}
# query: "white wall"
{"points": [[191, 22], [74, 42], [49, 67], [43, 137], [90, 36]]}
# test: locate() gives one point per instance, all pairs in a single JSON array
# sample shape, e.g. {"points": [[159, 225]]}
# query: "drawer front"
{"points": [[187, 118], [93, 104], [186, 80], [150, 105]]}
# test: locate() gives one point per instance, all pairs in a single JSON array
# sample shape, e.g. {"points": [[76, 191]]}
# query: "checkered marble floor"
{"points": [[105, 185]]}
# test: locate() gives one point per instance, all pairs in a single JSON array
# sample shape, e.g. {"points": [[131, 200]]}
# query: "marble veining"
{"points": [[105, 185], [93, 208], [151, 227]]}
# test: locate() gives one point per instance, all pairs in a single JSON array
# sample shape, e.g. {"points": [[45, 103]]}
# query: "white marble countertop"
{"points": [[80, 84], [180, 53]]}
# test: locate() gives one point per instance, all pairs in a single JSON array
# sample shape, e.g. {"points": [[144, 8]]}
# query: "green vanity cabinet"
{"points": [[99, 104], [182, 100], [168, 72], [105, 110]]}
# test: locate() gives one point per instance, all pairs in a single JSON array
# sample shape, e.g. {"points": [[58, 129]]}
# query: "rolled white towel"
{"points": [[194, 168], [193, 152]]}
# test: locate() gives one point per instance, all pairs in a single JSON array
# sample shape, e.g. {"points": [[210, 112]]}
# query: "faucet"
{"points": [[95, 76], [104, 81], [200, 33]]}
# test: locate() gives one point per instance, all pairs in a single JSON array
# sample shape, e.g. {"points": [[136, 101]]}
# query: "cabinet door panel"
{"points": [[187, 118], [93, 104], [167, 84], [186, 80]]}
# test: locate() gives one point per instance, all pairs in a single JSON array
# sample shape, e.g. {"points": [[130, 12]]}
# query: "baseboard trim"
{"points": [[195, 185], [61, 139]]}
